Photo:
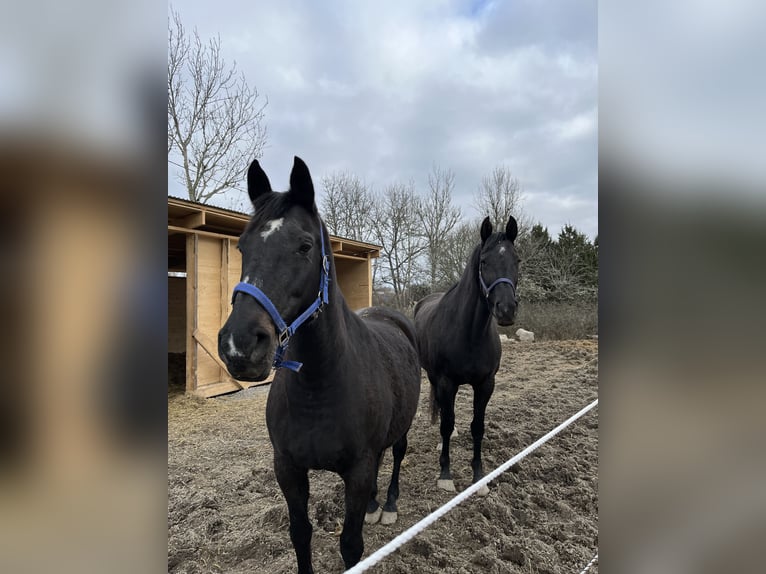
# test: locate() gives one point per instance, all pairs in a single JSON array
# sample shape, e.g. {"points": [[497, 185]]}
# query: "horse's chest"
{"points": [[315, 431], [472, 364], [320, 447]]}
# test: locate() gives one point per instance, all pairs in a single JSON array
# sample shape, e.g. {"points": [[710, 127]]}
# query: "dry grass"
{"points": [[553, 320]]}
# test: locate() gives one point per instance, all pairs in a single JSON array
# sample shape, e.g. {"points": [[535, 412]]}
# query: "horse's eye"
{"points": [[304, 248]]}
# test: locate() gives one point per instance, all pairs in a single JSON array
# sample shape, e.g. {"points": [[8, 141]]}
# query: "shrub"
{"points": [[556, 319]]}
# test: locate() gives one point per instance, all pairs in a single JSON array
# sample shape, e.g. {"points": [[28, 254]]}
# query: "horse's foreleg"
{"points": [[374, 510], [481, 395], [359, 483], [294, 483], [390, 511], [445, 396]]}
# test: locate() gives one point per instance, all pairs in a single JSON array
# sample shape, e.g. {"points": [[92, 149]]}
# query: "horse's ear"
{"points": [[301, 186], [257, 181], [511, 229], [486, 229]]}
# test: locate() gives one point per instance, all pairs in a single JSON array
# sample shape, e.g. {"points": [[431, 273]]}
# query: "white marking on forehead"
{"points": [[233, 351], [256, 282], [502, 249], [272, 225]]}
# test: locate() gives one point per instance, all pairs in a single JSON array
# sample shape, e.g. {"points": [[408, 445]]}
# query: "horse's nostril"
{"points": [[259, 335]]}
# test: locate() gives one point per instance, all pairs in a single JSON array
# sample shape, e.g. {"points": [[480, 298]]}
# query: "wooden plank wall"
{"points": [[176, 314], [213, 268], [209, 321], [354, 281]]}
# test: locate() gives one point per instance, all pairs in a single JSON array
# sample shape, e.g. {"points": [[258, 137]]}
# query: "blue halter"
{"points": [[486, 290], [284, 332]]}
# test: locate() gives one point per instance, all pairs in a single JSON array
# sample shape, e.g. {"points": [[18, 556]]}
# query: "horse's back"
{"points": [[396, 362], [426, 328], [384, 318], [424, 309]]}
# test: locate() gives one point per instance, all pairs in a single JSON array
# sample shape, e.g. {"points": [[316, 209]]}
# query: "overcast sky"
{"points": [[387, 89]]}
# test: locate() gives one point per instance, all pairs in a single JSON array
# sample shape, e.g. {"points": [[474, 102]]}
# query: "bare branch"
{"points": [[347, 206], [438, 217], [215, 119], [395, 225], [499, 197]]}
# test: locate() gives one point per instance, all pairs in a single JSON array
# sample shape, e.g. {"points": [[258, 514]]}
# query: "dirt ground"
{"points": [[226, 512]]}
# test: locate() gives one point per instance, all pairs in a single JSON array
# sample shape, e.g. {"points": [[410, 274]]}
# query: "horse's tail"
{"points": [[434, 406]]}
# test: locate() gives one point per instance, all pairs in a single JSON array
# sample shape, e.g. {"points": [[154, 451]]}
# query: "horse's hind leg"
{"points": [[294, 483], [481, 395], [390, 512], [445, 397], [372, 516]]}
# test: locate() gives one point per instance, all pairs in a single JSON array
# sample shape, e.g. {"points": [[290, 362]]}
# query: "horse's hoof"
{"points": [[446, 484], [373, 517], [483, 491], [388, 517]]}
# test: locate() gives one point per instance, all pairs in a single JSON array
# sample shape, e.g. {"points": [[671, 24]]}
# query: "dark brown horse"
{"points": [[347, 386], [458, 339]]}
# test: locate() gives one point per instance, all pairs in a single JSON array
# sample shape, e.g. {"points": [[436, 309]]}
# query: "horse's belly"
{"points": [[465, 372]]}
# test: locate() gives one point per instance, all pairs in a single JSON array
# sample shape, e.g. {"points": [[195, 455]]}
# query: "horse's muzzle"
{"points": [[247, 358], [505, 313]]}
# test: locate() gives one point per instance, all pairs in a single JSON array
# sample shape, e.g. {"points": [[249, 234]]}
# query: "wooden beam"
{"points": [[215, 389], [364, 253], [351, 257], [225, 294], [191, 221], [191, 312], [199, 232], [209, 346]]}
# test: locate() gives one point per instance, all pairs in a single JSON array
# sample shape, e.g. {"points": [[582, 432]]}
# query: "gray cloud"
{"points": [[387, 91]]}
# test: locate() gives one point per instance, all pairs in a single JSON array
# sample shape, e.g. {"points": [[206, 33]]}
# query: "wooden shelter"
{"points": [[203, 267]]}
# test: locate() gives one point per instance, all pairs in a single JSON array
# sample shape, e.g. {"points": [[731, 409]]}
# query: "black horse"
{"points": [[355, 390], [458, 339]]}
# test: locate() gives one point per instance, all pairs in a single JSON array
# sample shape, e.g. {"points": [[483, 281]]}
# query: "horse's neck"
{"points": [[470, 303], [319, 343]]}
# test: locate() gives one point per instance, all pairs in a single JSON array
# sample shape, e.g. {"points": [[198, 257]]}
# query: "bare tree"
{"points": [[499, 196], [535, 249], [458, 246], [395, 224], [438, 217], [215, 119], [347, 206]]}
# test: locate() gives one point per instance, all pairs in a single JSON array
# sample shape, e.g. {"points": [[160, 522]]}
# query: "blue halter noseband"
{"points": [[486, 290], [284, 332]]}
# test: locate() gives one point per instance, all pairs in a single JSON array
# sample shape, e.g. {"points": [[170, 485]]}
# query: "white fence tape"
{"points": [[418, 527], [591, 563]]}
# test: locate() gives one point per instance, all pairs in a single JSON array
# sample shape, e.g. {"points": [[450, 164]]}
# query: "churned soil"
{"points": [[226, 512]]}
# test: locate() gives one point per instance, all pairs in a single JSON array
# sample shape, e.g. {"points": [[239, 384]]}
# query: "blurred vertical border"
{"points": [[682, 223], [83, 287]]}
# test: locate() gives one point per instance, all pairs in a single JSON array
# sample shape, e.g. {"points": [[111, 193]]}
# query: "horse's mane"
{"points": [[472, 262]]}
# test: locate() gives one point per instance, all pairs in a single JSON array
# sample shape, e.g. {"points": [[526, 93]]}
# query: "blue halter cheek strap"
{"points": [[284, 331], [486, 290]]}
